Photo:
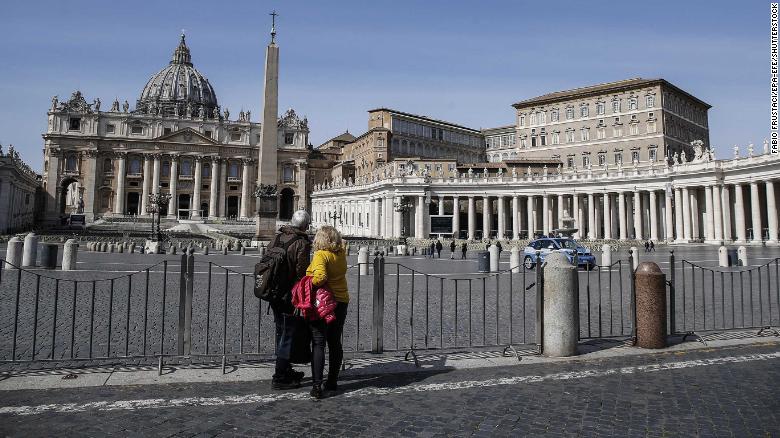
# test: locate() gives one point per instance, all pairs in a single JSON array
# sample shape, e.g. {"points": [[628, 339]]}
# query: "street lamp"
{"points": [[402, 207], [335, 216]]}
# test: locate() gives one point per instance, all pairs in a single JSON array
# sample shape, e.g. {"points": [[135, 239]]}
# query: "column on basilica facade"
{"points": [[771, 212], [119, 200], [638, 230], [501, 231], [146, 183], [709, 215], [214, 188], [397, 219], [246, 180], [739, 214], [668, 216], [755, 208], [678, 215], [455, 217], [515, 217], [173, 203], [472, 218], [387, 216], [197, 185], [591, 217], [530, 213], [418, 217], [561, 210], [486, 217], [622, 215], [156, 174], [441, 205], [653, 201], [546, 214], [694, 209], [222, 198]]}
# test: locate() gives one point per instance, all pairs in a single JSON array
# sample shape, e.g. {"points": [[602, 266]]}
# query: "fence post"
{"points": [[184, 332], [671, 306], [539, 303], [377, 322]]}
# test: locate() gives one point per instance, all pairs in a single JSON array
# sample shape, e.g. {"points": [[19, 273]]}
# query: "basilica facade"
{"points": [[176, 139]]}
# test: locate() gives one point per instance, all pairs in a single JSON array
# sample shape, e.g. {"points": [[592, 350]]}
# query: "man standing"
{"points": [[463, 249], [296, 240], [439, 247], [452, 249]]}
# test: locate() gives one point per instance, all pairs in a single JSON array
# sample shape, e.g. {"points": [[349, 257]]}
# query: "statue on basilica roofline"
{"points": [[750, 150], [215, 113], [96, 104], [55, 101], [227, 114], [249, 116], [115, 106], [125, 107]]}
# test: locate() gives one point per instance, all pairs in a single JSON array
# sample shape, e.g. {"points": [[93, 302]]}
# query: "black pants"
{"points": [[321, 334], [285, 330]]}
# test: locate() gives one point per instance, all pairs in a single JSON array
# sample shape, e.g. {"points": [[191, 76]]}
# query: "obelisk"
{"points": [[267, 207]]}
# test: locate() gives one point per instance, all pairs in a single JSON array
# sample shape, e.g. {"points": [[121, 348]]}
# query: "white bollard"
{"points": [[561, 310], [493, 250], [514, 260], [13, 254], [30, 252], [606, 255], [723, 256], [363, 260], [69, 255], [635, 258], [742, 256]]}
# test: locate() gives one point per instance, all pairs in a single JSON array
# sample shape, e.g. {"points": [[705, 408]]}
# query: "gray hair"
{"points": [[300, 220]]}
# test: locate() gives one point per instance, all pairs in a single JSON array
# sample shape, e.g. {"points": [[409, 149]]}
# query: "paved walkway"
{"points": [[729, 390]]}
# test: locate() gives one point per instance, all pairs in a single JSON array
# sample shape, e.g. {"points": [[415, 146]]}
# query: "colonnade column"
{"points": [[561, 203], [501, 232], [709, 218], [147, 181], [739, 214], [455, 217], [755, 208], [486, 217], [245, 179], [717, 212], [546, 214], [694, 209], [515, 217], [156, 174], [653, 216], [622, 216], [172, 185], [638, 231], [771, 212], [529, 205], [686, 211], [669, 217], [119, 201], [725, 198], [607, 216], [441, 205], [397, 219], [577, 215], [472, 215], [678, 215], [198, 181], [213, 187], [591, 217], [419, 222]]}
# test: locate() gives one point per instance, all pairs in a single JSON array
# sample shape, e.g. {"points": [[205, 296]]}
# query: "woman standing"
{"points": [[329, 265]]}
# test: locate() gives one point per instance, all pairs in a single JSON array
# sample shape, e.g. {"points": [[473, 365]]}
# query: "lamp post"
{"points": [[336, 216]]}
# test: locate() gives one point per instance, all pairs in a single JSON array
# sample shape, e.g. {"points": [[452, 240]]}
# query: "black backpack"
{"points": [[272, 273]]}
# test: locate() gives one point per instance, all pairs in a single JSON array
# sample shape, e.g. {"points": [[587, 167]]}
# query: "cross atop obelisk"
{"points": [[273, 15]]}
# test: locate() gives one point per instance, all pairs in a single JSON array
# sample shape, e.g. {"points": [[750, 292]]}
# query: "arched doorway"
{"points": [[286, 204], [232, 206], [133, 203], [68, 196], [184, 206]]}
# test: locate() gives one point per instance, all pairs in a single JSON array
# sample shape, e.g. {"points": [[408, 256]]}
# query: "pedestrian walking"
{"points": [[647, 246], [292, 244], [500, 248], [432, 250], [487, 247], [328, 266], [463, 249], [652, 246], [439, 247], [452, 249]]}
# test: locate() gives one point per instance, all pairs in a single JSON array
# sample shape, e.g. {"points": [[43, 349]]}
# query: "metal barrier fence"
{"points": [[608, 301], [703, 299]]}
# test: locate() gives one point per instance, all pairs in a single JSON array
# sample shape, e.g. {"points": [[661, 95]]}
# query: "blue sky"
{"points": [[465, 62]]}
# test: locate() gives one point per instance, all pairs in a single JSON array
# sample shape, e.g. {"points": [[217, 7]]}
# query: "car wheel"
{"points": [[591, 266], [528, 263]]}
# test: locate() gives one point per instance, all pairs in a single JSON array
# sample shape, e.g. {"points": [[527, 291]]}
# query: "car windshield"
{"points": [[567, 244]]}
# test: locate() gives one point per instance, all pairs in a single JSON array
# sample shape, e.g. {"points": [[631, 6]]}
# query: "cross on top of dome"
{"points": [[182, 53]]}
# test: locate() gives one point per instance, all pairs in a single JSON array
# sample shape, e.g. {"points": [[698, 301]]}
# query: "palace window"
{"points": [[523, 143], [585, 161], [137, 129], [205, 171], [233, 169], [569, 113], [166, 131], [511, 139], [543, 140], [651, 127], [166, 168], [71, 163], [600, 108], [556, 138], [632, 104], [616, 106], [602, 159], [207, 133], [653, 154], [634, 128], [617, 131], [635, 156], [618, 158], [570, 136], [554, 115], [533, 141], [533, 118], [135, 166], [542, 117], [584, 111], [570, 162], [186, 167], [650, 101], [522, 120], [74, 124], [289, 137], [108, 167], [601, 133], [235, 136], [585, 134], [110, 129]]}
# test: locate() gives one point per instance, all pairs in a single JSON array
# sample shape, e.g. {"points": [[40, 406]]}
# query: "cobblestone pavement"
{"points": [[729, 391]]}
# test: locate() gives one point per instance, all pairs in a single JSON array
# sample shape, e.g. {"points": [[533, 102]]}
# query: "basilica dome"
{"points": [[179, 89]]}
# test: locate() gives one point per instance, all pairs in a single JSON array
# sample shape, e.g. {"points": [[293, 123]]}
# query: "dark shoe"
{"points": [[282, 384], [331, 386], [316, 392]]}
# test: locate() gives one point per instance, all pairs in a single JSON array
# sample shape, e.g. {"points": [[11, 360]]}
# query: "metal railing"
{"points": [[608, 301], [706, 299]]}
